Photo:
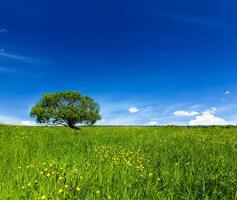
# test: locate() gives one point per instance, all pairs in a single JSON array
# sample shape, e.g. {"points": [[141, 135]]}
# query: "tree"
{"points": [[66, 108]]}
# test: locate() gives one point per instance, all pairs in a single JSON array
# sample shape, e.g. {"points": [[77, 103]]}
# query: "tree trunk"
{"points": [[72, 125]]}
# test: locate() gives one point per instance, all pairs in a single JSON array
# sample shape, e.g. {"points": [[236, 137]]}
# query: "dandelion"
{"points": [[150, 174], [78, 189], [48, 174], [98, 192], [43, 197], [60, 191]]}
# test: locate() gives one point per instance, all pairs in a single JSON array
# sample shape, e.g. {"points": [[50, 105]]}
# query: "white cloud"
{"points": [[15, 121], [133, 110], [27, 123], [208, 118], [8, 120], [153, 123], [182, 113], [227, 92]]}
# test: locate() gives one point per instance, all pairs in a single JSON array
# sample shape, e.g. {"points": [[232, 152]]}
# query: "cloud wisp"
{"points": [[7, 70], [133, 109], [18, 57], [182, 113], [194, 20], [227, 92], [18, 72], [3, 30]]}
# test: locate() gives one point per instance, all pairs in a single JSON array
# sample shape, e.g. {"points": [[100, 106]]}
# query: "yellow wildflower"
{"points": [[43, 197], [60, 191]]}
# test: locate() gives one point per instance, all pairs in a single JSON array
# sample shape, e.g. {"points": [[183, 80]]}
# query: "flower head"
{"points": [[60, 191], [43, 197]]}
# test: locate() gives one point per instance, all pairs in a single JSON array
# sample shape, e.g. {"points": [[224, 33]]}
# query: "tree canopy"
{"points": [[66, 108]]}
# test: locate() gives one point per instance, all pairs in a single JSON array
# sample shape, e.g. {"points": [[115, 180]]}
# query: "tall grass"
{"points": [[118, 163]]}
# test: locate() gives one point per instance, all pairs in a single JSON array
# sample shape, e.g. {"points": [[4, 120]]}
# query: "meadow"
{"points": [[118, 163]]}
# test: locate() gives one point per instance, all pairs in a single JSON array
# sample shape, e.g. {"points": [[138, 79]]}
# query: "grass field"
{"points": [[118, 163]]}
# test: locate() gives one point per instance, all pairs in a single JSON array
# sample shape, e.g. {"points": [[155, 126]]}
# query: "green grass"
{"points": [[118, 163]]}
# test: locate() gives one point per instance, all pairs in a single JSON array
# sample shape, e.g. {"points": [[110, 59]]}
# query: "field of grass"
{"points": [[118, 163]]}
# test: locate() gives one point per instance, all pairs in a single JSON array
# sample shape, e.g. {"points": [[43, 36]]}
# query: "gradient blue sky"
{"points": [[145, 61]]}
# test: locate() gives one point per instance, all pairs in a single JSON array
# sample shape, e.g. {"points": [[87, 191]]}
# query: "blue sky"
{"points": [[145, 61]]}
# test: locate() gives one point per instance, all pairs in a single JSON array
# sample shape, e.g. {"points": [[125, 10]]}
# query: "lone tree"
{"points": [[66, 108]]}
